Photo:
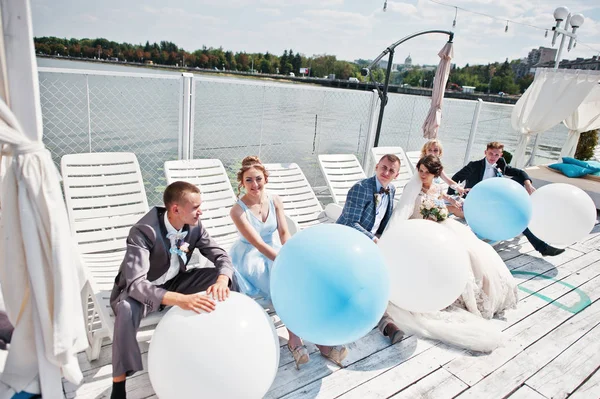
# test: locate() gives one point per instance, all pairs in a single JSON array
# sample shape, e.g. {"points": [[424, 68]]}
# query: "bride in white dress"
{"points": [[491, 289]]}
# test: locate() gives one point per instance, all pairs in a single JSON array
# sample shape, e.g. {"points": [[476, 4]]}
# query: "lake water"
{"points": [[235, 117]]}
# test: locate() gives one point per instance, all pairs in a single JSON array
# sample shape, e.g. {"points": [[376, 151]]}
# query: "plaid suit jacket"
{"points": [[359, 209]]}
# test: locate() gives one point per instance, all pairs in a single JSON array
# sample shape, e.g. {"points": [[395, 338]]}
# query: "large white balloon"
{"points": [[562, 214], [232, 352], [428, 265]]}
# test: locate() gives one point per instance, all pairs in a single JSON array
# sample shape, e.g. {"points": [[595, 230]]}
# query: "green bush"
{"points": [[507, 156], [587, 142]]}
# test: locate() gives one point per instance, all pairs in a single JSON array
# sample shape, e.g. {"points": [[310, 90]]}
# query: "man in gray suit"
{"points": [[153, 274]]}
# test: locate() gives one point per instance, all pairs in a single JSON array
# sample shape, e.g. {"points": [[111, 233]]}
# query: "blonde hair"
{"points": [[247, 164], [430, 144]]}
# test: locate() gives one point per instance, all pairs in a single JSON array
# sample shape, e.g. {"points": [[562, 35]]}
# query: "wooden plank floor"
{"points": [[551, 347]]}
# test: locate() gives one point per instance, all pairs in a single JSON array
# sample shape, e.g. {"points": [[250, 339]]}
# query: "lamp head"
{"points": [[577, 20], [364, 72], [561, 13]]}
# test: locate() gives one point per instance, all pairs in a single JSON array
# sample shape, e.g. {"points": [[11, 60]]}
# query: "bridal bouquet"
{"points": [[434, 210]]}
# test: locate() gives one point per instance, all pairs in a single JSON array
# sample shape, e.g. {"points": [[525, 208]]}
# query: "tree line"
{"points": [[495, 77]]}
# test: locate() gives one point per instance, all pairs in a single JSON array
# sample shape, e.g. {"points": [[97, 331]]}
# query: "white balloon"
{"points": [[232, 352], [562, 214], [428, 265]]}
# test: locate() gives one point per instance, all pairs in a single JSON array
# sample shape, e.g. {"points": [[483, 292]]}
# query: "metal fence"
{"points": [[86, 111], [405, 114], [163, 117], [281, 123]]}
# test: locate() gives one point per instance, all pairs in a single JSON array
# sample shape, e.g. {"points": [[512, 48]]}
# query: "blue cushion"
{"points": [[572, 170], [574, 161], [584, 164]]}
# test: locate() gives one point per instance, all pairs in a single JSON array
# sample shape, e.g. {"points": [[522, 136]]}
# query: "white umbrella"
{"points": [[434, 117], [39, 266], [585, 118], [551, 98]]}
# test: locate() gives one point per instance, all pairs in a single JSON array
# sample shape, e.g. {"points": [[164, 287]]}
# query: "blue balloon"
{"points": [[498, 209], [330, 284]]}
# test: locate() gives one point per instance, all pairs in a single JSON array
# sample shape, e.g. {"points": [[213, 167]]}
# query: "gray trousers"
{"points": [[126, 355]]}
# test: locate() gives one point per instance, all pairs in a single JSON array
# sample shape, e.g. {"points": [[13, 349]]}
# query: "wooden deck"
{"points": [[551, 347]]}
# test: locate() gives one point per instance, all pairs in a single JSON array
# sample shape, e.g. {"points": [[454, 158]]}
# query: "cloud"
{"points": [[340, 18], [183, 14], [402, 8], [304, 3], [270, 11]]}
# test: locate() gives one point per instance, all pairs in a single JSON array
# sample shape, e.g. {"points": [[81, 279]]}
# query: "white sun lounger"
{"points": [[105, 196], [341, 172]]}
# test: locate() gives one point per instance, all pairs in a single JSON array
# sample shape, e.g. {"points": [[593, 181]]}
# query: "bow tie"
{"points": [[384, 190], [178, 235]]}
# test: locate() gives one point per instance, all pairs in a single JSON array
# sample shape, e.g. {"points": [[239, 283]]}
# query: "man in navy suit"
{"points": [[493, 165], [368, 209]]}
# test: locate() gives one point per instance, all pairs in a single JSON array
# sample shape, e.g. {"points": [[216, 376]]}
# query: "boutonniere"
{"points": [[377, 198], [499, 172], [184, 246]]}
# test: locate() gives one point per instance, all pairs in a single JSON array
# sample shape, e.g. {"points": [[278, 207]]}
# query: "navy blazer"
{"points": [[473, 172], [359, 209]]}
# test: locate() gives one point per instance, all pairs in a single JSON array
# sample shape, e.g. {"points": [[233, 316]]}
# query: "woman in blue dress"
{"points": [[260, 220]]}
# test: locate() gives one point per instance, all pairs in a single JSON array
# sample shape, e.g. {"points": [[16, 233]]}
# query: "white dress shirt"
{"points": [[174, 267], [490, 170], [381, 208]]}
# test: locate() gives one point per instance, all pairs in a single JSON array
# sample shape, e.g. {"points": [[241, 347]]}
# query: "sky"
{"points": [[348, 29]]}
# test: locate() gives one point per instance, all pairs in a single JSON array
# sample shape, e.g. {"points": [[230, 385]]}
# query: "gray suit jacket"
{"points": [[147, 258]]}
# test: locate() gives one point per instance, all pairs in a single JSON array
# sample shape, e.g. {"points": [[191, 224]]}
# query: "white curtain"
{"points": [[586, 117], [551, 98], [39, 266]]}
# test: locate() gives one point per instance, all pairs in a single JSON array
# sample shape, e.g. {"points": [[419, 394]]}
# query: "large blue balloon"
{"points": [[498, 209], [329, 284]]}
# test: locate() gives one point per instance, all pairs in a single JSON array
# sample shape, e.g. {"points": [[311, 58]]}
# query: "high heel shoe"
{"points": [[336, 354], [300, 354]]}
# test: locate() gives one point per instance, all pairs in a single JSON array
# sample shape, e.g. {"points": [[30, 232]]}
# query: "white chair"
{"points": [[406, 171], [413, 159], [217, 195], [105, 196], [299, 200], [341, 172]]}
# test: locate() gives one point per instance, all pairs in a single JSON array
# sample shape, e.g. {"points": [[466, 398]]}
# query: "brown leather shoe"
{"points": [[395, 334]]}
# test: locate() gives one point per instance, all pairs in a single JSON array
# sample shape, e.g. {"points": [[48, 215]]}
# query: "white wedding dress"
{"points": [[491, 289]]}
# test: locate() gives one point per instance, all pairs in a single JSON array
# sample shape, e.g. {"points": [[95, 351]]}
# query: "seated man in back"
{"points": [[368, 208], [153, 274], [493, 165]]}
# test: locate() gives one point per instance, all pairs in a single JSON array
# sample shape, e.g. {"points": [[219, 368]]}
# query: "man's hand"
{"points": [[529, 187], [375, 240], [220, 289], [196, 302]]}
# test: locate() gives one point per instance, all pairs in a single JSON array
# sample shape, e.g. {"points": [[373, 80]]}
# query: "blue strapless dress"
{"points": [[252, 268]]}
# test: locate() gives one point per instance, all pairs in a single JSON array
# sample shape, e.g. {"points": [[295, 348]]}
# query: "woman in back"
{"points": [[258, 217]]}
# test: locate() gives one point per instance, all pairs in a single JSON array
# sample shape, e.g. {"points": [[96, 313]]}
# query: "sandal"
{"points": [[336, 354], [300, 354]]}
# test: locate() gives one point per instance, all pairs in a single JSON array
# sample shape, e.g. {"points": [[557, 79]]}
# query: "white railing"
{"points": [[162, 117]]}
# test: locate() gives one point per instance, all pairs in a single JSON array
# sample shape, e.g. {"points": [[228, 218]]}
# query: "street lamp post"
{"points": [[575, 21], [383, 95]]}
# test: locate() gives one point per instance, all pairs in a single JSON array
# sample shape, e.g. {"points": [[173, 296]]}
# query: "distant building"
{"points": [[579, 63], [408, 61], [468, 89], [384, 64], [541, 55]]}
